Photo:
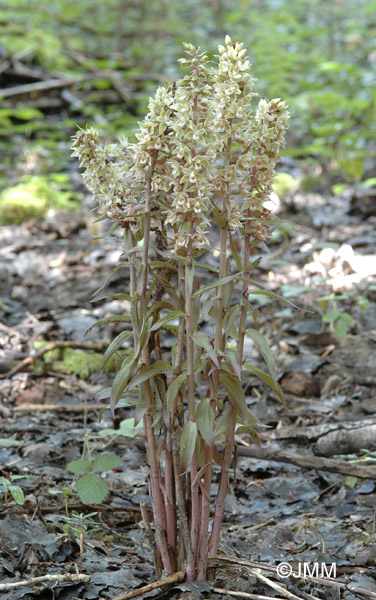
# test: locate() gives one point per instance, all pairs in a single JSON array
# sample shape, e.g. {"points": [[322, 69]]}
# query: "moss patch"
{"points": [[35, 196], [76, 362]]}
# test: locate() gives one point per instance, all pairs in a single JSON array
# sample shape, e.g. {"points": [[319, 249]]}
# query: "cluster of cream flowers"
{"points": [[200, 149]]}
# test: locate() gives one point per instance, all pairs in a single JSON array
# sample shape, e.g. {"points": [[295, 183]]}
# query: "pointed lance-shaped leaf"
{"points": [[234, 388], [202, 340], [270, 294], [187, 445], [174, 314], [17, 494], [263, 345], [219, 282], [110, 319], [115, 345], [174, 388], [269, 382], [205, 421], [121, 380], [160, 366]]}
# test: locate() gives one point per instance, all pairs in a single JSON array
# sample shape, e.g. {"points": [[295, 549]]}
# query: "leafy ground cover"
{"points": [[89, 62]]}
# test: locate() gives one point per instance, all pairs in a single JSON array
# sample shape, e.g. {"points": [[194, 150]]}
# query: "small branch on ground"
{"points": [[310, 462], [66, 408], [175, 578], [58, 578], [223, 562]]}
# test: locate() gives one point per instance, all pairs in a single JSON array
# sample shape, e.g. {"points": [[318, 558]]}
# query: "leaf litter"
{"points": [[275, 512]]}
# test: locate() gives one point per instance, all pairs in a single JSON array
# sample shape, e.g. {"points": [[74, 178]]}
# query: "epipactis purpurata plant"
{"points": [[204, 162]]}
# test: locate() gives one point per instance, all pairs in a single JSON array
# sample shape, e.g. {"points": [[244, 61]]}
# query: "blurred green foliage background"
{"points": [[320, 56]]}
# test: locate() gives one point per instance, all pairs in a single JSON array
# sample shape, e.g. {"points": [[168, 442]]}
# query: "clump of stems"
{"points": [[203, 164]]}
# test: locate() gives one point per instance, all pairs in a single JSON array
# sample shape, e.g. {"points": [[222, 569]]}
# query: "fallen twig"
{"points": [[309, 462], [58, 578], [12, 331], [244, 595], [277, 587], [39, 86], [67, 408], [175, 578], [232, 562], [90, 345]]}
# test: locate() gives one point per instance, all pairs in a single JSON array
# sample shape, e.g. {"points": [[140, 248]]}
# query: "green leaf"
{"points": [[161, 366], [234, 254], [202, 340], [144, 336], [218, 283], [205, 420], [354, 167], [263, 345], [8, 442], [26, 113], [349, 320], [351, 481], [221, 426], [5, 482], [106, 462], [249, 431], [127, 428], [158, 306], [253, 265], [115, 345], [65, 492], [135, 314], [17, 494], [187, 445], [219, 219], [228, 294], [174, 314], [270, 294], [121, 381], [202, 265], [331, 316], [172, 329], [91, 489], [341, 329], [234, 388], [78, 467], [274, 385], [111, 319], [228, 321], [167, 285], [103, 394], [363, 302], [98, 293], [174, 388]]}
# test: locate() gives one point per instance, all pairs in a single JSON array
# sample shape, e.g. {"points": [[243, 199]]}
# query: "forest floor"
{"points": [[282, 507]]}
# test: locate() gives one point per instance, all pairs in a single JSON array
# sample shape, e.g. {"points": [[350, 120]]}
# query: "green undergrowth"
{"points": [[77, 362], [35, 196]]}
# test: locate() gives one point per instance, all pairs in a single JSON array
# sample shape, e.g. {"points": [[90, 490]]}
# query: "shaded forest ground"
{"points": [[276, 511]]}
